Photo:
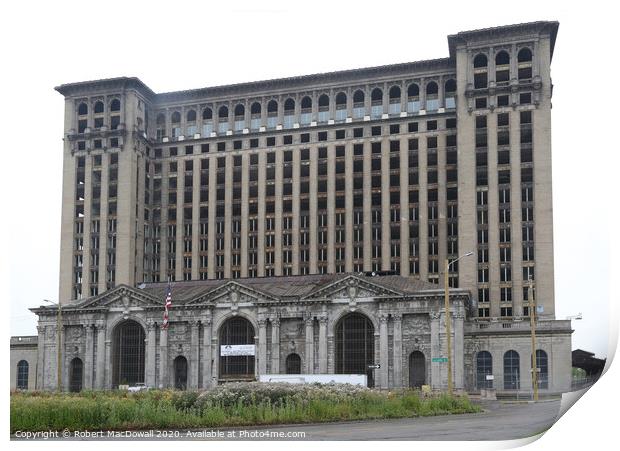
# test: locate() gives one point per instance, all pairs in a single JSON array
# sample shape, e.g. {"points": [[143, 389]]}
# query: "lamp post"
{"points": [[58, 344], [447, 315]]}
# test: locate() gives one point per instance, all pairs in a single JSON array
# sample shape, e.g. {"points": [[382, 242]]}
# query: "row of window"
{"points": [[512, 371]]}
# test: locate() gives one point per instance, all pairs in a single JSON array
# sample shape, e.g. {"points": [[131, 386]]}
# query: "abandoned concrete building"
{"points": [[305, 224]]}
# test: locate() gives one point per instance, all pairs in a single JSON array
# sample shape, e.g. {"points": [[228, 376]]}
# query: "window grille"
{"points": [[237, 331], [128, 354], [355, 346]]}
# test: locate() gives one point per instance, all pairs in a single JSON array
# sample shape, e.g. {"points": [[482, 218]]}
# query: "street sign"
{"points": [[440, 359], [376, 366]]}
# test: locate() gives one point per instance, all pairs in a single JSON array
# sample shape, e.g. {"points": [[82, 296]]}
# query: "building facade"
{"points": [[393, 169]]}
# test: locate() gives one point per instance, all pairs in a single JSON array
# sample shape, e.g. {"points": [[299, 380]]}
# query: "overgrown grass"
{"points": [[232, 405]]}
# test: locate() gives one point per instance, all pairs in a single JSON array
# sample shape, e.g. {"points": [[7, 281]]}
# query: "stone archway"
{"points": [[128, 354], [237, 349], [417, 369], [180, 373], [355, 346], [76, 375]]}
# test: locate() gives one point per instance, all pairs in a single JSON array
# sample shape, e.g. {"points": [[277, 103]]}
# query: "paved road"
{"points": [[499, 421]]}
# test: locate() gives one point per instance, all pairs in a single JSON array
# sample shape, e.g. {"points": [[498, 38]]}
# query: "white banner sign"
{"points": [[233, 350]]}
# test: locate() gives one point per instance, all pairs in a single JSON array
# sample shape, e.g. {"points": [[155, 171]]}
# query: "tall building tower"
{"points": [[394, 168]]}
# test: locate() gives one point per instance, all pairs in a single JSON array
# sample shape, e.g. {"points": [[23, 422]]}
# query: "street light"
{"points": [[447, 320], [58, 344]]}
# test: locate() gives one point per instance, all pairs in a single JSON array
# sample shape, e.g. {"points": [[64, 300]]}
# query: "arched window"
{"points": [[236, 361], [222, 114], [207, 122], [99, 107], [115, 105], [239, 117], [376, 108], [289, 113], [355, 345], [432, 96], [272, 114], [524, 55], [417, 369], [502, 58], [76, 374], [450, 93], [413, 98], [82, 109], [542, 365], [255, 111], [502, 68], [511, 370], [394, 94], [306, 103], [394, 106], [358, 104], [323, 108], [293, 364], [341, 100], [128, 354], [191, 126], [484, 367], [175, 119], [22, 375], [272, 107], [180, 373], [480, 60], [341, 107], [161, 126], [289, 106]]}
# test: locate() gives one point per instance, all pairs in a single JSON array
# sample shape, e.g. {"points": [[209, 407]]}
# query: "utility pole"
{"points": [[532, 302]]}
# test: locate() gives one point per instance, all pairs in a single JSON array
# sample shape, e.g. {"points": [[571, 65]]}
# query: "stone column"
{"points": [[88, 358], [262, 346], [206, 353], [275, 345], [458, 351], [150, 354], [163, 358], [323, 344], [100, 375], [435, 382], [398, 350], [383, 351], [309, 345], [194, 355], [40, 383], [108, 364]]}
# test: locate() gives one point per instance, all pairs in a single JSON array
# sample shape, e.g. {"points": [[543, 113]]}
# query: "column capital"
{"points": [[323, 320], [397, 317], [100, 326], [194, 323], [275, 321], [150, 325], [206, 322], [383, 318], [309, 320], [262, 322]]}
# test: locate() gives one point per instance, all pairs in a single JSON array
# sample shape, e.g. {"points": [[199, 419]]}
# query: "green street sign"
{"points": [[440, 359]]}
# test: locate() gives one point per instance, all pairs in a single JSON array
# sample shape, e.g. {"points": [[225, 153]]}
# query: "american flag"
{"points": [[167, 306]]}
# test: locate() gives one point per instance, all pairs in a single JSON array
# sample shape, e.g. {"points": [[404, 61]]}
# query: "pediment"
{"points": [[121, 296], [351, 287], [234, 293]]}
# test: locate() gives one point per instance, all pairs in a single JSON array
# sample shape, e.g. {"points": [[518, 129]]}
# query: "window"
{"points": [[480, 61], [115, 105], [484, 367], [542, 366], [22, 375], [432, 98], [511, 370]]}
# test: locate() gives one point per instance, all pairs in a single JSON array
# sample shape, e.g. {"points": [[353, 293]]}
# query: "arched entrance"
{"points": [[128, 354], [180, 373], [237, 349], [293, 364], [75, 375], [355, 346], [417, 369]]}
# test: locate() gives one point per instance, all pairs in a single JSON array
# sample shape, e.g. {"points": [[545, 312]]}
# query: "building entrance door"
{"points": [[417, 369]]}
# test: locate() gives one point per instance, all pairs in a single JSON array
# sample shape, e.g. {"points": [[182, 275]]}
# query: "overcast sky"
{"points": [[183, 45]]}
